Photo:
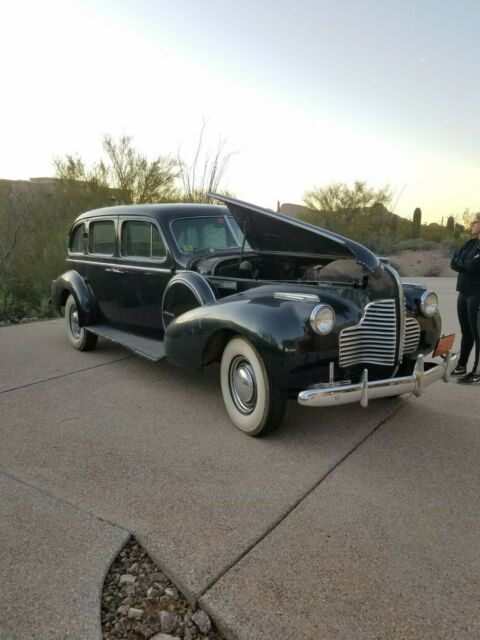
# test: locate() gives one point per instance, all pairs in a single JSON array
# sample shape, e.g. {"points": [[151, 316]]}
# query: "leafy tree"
{"points": [[340, 198], [138, 179], [129, 173]]}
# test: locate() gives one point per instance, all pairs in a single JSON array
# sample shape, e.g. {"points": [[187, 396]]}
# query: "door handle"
{"points": [[114, 270]]}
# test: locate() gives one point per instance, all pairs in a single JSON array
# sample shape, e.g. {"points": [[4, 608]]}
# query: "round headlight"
{"points": [[429, 303], [322, 319]]}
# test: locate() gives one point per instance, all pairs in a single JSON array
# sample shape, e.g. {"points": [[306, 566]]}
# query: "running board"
{"points": [[146, 347]]}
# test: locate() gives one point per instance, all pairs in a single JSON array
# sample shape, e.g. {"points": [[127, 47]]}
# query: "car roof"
{"points": [[157, 211]]}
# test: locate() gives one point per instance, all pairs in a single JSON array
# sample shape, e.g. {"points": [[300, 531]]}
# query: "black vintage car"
{"points": [[287, 308]]}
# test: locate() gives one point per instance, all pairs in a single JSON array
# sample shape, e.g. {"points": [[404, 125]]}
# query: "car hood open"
{"points": [[266, 230]]}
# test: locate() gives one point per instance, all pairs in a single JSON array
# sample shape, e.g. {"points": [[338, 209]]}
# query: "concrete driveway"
{"points": [[345, 523]]}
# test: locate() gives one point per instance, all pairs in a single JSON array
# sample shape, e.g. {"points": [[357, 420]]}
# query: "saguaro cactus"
{"points": [[450, 225], [417, 223]]}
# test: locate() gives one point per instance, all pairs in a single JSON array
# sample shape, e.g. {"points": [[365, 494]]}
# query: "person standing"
{"points": [[466, 261]]}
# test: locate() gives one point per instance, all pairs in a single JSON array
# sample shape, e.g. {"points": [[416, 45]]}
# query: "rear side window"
{"points": [[141, 240], [77, 244], [102, 237]]}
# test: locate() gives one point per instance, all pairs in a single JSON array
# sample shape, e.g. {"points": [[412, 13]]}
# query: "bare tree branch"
{"points": [[211, 175]]}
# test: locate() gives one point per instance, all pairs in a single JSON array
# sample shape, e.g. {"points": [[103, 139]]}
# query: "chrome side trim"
{"points": [[122, 265], [334, 394], [298, 297]]}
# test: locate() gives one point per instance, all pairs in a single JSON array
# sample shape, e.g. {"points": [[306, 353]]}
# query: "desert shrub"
{"points": [[434, 266], [380, 245], [415, 244], [448, 247]]}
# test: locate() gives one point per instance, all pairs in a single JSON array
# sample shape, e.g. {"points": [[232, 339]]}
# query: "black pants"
{"points": [[468, 309]]}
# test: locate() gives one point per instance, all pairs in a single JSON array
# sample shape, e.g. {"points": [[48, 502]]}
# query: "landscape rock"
{"points": [[168, 621], [135, 614], [135, 606], [144, 632], [165, 602], [202, 621], [123, 610]]}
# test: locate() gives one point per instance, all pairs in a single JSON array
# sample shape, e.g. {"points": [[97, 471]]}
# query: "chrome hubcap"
{"points": [[243, 385], [74, 325]]}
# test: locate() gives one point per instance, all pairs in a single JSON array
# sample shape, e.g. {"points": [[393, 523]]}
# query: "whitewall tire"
{"points": [[253, 400]]}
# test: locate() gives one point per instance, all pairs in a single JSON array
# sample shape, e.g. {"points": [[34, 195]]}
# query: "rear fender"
{"points": [[73, 283], [185, 291]]}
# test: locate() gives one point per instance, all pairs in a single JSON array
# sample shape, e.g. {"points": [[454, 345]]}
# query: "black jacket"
{"points": [[466, 261]]}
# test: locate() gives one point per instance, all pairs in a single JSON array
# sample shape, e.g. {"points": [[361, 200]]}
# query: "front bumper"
{"points": [[333, 394]]}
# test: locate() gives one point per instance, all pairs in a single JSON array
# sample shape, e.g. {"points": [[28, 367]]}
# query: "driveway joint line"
{"points": [[56, 498], [285, 515], [65, 375]]}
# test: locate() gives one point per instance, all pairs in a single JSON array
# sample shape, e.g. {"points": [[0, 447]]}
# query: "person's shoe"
{"points": [[459, 371], [470, 378]]}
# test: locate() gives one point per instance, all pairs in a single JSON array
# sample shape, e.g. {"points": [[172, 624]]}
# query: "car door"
{"points": [[146, 269], [101, 266]]}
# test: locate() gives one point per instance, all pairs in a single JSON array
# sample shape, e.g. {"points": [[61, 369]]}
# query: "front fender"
{"points": [[279, 329], [71, 282]]}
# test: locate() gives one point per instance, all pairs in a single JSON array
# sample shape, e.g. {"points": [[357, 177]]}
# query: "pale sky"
{"points": [[306, 92]]}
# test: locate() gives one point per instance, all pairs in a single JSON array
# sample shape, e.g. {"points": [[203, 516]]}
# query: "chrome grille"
{"points": [[374, 339], [412, 335]]}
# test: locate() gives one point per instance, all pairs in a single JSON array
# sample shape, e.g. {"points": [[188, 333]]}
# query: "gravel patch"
{"points": [[140, 603]]}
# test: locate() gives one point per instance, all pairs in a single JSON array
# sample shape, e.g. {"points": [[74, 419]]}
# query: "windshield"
{"points": [[206, 232]]}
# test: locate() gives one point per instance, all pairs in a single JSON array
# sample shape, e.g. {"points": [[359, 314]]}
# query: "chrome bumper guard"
{"points": [[334, 393]]}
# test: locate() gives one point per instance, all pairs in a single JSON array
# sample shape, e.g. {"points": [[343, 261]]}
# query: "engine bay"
{"points": [[279, 267]]}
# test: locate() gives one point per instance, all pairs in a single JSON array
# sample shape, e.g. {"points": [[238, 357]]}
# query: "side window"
{"points": [[141, 240], [158, 248], [102, 237], [187, 235], [77, 244], [192, 234]]}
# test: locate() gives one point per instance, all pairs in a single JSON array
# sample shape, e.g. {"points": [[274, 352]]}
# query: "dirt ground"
{"points": [[432, 263]]}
